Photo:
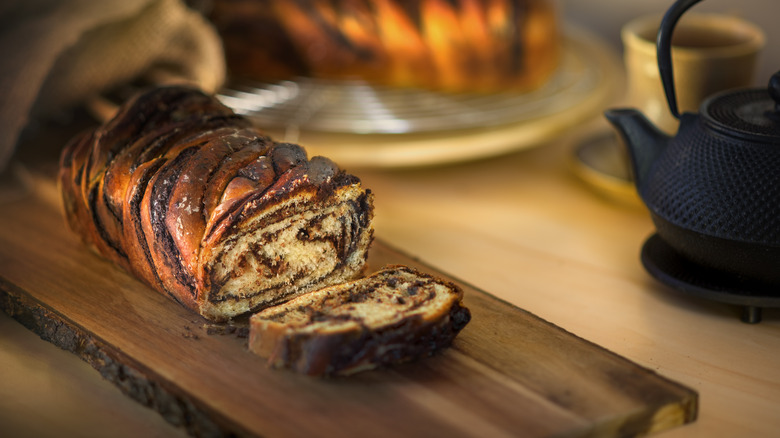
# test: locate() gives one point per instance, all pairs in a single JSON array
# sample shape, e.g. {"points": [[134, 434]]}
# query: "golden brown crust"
{"points": [[395, 315], [176, 179], [454, 46]]}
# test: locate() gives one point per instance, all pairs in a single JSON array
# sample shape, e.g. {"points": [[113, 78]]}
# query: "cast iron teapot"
{"points": [[713, 189]]}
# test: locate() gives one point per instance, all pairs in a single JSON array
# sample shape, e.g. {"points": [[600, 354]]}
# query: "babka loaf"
{"points": [[189, 197], [444, 45], [394, 315]]}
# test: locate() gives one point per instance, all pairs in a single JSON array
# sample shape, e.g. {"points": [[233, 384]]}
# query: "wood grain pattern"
{"points": [[508, 372]]}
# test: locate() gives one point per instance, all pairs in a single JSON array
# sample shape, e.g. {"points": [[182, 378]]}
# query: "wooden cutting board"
{"points": [[508, 373]]}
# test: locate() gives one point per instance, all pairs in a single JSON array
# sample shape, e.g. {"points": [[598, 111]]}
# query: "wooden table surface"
{"points": [[521, 227]]}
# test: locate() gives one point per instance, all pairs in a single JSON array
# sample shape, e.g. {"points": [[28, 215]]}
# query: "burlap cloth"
{"points": [[57, 54]]}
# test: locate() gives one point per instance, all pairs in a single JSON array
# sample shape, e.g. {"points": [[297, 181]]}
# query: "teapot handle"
{"points": [[664, 50]]}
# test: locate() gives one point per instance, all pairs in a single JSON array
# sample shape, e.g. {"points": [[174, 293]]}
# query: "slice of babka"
{"points": [[394, 315]]}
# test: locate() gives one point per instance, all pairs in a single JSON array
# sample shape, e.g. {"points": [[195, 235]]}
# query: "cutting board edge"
{"points": [[132, 378]]}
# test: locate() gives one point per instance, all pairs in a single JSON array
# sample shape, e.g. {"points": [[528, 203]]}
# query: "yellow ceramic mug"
{"points": [[710, 53]]}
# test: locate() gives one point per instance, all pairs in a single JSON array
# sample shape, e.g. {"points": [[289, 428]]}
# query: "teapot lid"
{"points": [[752, 114]]}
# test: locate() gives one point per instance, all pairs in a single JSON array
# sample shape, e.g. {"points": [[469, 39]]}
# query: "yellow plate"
{"points": [[601, 162]]}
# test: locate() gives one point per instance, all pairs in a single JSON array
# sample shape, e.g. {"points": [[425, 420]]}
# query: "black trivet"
{"points": [[672, 269]]}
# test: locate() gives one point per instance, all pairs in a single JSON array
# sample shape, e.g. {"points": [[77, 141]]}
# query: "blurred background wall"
{"points": [[606, 17]]}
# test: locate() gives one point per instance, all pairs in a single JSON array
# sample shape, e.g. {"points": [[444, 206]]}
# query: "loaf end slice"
{"points": [[395, 315]]}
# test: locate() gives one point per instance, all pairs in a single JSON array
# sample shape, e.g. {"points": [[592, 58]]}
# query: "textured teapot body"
{"points": [[716, 185], [716, 199]]}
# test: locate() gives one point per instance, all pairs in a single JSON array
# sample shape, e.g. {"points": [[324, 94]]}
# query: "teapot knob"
{"points": [[774, 90]]}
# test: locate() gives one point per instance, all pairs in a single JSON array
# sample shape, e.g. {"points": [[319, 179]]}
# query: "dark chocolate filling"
{"points": [[158, 211], [344, 250], [134, 204], [334, 33], [519, 16], [101, 229]]}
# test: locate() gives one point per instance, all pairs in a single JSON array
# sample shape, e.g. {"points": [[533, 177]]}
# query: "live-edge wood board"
{"points": [[509, 373]]}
